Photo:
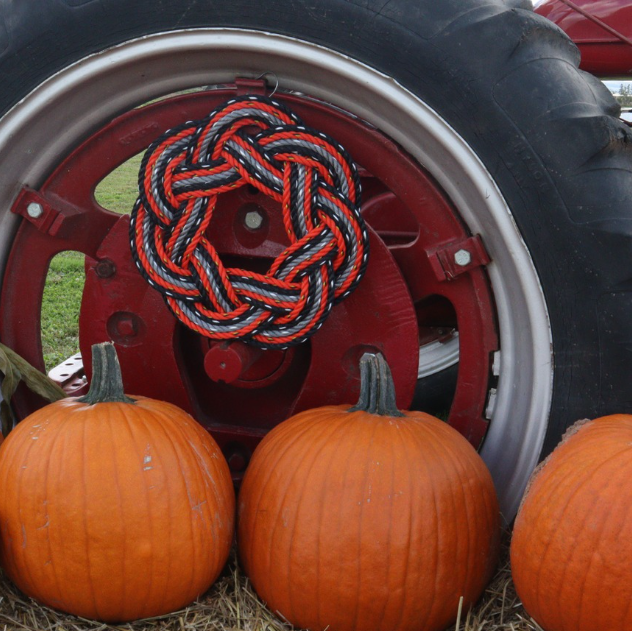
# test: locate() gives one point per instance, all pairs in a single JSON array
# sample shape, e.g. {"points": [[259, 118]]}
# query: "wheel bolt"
{"points": [[34, 210], [228, 361], [105, 268], [125, 326], [462, 258], [253, 219]]}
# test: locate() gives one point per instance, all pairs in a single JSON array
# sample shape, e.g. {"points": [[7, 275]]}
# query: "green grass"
{"points": [[60, 308], [118, 191], [61, 301]]}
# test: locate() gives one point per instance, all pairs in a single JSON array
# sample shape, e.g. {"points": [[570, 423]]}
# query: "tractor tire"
{"points": [[485, 94]]}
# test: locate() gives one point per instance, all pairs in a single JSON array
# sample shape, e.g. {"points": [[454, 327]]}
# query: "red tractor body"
{"points": [[602, 29]]}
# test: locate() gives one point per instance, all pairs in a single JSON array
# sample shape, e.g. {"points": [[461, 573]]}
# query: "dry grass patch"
{"points": [[499, 609]]}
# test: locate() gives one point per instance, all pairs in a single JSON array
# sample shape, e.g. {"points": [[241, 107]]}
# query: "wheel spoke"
{"points": [[63, 225], [412, 259]]}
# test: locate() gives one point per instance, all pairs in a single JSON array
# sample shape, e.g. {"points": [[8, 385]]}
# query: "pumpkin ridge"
{"points": [[341, 428], [622, 532], [345, 427], [584, 579], [117, 484], [275, 439], [589, 469], [214, 469], [84, 519], [19, 437], [133, 416], [20, 475], [322, 493], [597, 537], [333, 429], [465, 484], [360, 520], [487, 514], [388, 538], [535, 484], [126, 416], [70, 433], [185, 481], [436, 528], [46, 457], [570, 431], [450, 472], [568, 499], [403, 607], [268, 447], [181, 445], [345, 424], [626, 614]]}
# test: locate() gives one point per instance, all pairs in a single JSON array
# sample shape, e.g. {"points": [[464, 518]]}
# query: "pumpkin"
{"points": [[571, 550], [112, 507], [367, 518]]}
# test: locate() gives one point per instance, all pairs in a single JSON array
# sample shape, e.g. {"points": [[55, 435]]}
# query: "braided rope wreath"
{"points": [[309, 173]]}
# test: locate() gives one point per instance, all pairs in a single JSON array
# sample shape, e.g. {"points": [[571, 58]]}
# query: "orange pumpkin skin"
{"points": [[360, 522], [114, 511], [571, 551]]}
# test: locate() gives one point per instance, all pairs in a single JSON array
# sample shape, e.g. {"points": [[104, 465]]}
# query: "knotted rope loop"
{"points": [[307, 172]]}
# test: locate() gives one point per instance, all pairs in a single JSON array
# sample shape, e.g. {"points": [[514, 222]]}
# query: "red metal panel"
{"points": [[601, 28]]}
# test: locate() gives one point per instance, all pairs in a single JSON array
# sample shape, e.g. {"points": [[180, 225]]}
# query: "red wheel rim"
{"points": [[413, 287]]}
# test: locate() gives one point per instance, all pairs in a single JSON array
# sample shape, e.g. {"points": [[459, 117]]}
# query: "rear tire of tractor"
{"points": [[485, 94]]}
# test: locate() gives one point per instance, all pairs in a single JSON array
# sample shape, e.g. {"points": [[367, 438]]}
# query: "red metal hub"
{"points": [[425, 275]]}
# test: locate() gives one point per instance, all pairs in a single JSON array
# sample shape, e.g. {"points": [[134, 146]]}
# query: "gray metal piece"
{"points": [[34, 210], [438, 355], [253, 220], [68, 370], [462, 258]]}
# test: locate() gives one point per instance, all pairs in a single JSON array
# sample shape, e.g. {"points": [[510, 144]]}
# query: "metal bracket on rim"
{"points": [[458, 257], [51, 217]]}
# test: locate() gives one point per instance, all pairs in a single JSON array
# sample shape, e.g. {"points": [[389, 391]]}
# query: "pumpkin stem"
{"points": [[107, 382], [377, 390]]}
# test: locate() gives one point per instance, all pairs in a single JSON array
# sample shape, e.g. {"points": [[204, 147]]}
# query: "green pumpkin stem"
{"points": [[377, 390], [107, 382]]}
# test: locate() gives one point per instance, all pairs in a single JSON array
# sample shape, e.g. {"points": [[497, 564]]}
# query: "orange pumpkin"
{"points": [[367, 518], [113, 508], [571, 551]]}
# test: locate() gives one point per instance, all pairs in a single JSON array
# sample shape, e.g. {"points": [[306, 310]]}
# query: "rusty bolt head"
{"points": [[34, 210], [105, 268], [462, 258]]}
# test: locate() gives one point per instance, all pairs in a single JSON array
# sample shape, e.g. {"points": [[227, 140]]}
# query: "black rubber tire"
{"points": [[504, 78]]}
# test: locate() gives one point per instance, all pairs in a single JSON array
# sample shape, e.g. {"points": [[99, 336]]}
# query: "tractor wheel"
{"points": [[495, 178]]}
